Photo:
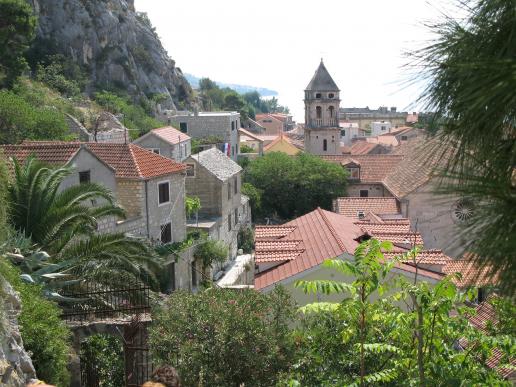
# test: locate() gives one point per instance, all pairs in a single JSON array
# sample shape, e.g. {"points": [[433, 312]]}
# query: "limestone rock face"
{"points": [[16, 367], [116, 45]]}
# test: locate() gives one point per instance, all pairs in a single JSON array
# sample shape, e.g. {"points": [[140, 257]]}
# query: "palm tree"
{"points": [[470, 76], [50, 217], [60, 223]]}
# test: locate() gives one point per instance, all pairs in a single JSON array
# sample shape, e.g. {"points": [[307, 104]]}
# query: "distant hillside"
{"points": [[241, 89]]}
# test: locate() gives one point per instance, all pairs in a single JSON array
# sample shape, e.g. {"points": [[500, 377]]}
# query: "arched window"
{"points": [[332, 111], [318, 112], [331, 95], [325, 145]]}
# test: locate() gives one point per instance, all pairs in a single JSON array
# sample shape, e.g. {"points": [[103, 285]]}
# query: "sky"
{"points": [[278, 44]]}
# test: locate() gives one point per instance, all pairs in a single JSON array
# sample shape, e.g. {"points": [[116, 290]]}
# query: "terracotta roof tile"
{"points": [[362, 147], [399, 237], [472, 273], [324, 235], [128, 160], [373, 168], [426, 257], [247, 133], [273, 256], [170, 135], [274, 232], [378, 228], [350, 206], [276, 244]]}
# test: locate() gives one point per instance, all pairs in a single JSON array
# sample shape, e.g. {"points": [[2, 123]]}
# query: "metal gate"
{"points": [[138, 365]]}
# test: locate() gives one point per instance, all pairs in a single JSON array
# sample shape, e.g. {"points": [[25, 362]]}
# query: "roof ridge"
{"points": [[135, 160], [332, 229]]}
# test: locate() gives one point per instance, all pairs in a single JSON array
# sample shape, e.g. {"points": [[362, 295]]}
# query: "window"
{"points": [[229, 190], [360, 214], [190, 170], [364, 193], [383, 127], [403, 138], [163, 193], [236, 216], [155, 150], [229, 222], [325, 145], [236, 185], [331, 95], [318, 112], [232, 150], [318, 95], [232, 125], [166, 233], [84, 177], [183, 127], [354, 173], [343, 132], [331, 109]]}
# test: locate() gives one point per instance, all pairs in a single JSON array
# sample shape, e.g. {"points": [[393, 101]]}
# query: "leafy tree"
{"points": [[224, 337], [192, 205], [102, 352], [53, 76], [246, 240], [469, 73], [293, 186], [210, 251], [255, 198], [17, 27], [21, 120], [246, 149], [368, 339]]}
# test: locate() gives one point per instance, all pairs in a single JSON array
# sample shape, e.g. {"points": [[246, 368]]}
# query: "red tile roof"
{"points": [[276, 244], [374, 228], [170, 135], [426, 257], [324, 235], [407, 238], [473, 275], [362, 147], [350, 206], [274, 256], [373, 168], [128, 160], [247, 133], [485, 314]]}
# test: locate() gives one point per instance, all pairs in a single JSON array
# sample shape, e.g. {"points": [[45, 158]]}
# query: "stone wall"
{"points": [[314, 141], [130, 195], [373, 189], [15, 364], [207, 188]]}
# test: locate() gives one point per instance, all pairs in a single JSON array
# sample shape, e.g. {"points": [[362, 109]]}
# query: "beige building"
{"points": [[321, 131], [216, 180], [271, 124], [168, 142], [364, 117]]}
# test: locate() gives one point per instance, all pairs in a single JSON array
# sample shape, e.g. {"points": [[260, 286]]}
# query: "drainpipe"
{"points": [[147, 209]]}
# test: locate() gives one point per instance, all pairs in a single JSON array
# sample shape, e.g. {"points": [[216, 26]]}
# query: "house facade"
{"points": [[216, 180], [168, 142], [271, 124], [219, 127]]}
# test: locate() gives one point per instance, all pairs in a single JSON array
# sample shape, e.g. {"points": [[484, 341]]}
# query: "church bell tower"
{"points": [[322, 102]]}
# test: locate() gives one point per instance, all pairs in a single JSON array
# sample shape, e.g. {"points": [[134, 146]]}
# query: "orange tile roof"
{"points": [[170, 135], [373, 228], [247, 133], [473, 275], [128, 160], [272, 231], [324, 235], [485, 314], [362, 147], [373, 168], [426, 257], [399, 237], [275, 256], [276, 244], [350, 206]]}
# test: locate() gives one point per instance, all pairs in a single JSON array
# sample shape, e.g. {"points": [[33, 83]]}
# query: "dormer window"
{"points": [[354, 173], [331, 95], [360, 214], [317, 95]]}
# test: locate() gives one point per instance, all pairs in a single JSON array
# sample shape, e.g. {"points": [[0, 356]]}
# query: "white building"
{"points": [[380, 127]]}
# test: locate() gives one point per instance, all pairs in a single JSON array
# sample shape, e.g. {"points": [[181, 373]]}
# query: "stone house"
{"points": [[168, 142], [107, 128], [150, 187], [350, 131], [273, 125], [216, 180], [367, 172], [253, 126], [222, 126]]}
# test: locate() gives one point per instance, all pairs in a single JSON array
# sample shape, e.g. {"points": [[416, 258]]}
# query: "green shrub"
{"points": [[44, 334], [104, 354], [211, 251], [224, 337], [246, 149], [246, 240]]}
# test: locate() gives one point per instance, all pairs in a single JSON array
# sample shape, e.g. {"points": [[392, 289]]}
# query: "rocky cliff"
{"points": [[15, 364], [115, 45]]}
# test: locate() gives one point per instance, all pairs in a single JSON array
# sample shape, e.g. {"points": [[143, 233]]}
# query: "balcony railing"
{"points": [[324, 123]]}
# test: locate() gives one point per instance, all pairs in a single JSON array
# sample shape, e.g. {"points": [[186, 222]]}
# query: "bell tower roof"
{"points": [[322, 80]]}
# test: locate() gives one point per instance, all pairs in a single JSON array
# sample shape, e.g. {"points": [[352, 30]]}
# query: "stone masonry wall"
{"points": [[130, 196]]}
